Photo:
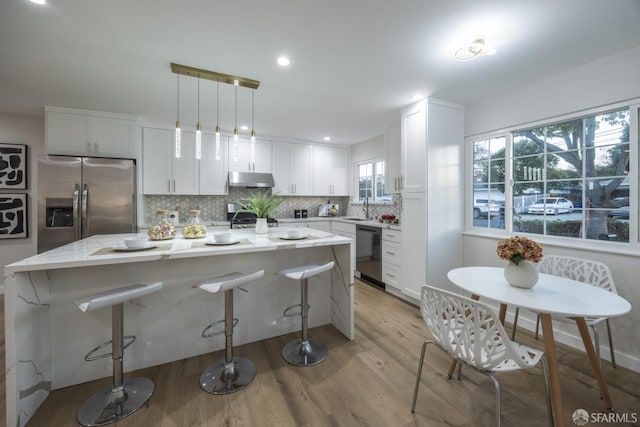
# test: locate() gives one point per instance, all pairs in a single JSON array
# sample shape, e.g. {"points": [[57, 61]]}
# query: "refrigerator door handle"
{"points": [[84, 220], [76, 212]]}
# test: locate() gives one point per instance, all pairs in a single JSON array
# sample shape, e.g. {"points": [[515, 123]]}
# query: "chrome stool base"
{"points": [[108, 406], [222, 378], [307, 353]]}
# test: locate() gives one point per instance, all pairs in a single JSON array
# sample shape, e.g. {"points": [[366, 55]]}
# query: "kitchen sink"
{"points": [[357, 219]]}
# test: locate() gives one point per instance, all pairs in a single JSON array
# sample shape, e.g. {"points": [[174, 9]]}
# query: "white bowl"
{"points": [[135, 242], [222, 237], [294, 234]]}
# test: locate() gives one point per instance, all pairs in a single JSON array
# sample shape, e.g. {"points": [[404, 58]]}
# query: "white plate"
{"points": [[293, 238], [212, 243], [126, 249]]}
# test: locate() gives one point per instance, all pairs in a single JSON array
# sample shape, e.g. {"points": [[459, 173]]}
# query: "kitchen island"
{"points": [[47, 337]]}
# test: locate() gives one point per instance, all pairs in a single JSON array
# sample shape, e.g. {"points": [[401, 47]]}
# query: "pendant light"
{"points": [[217, 120], [198, 128], [252, 145], [178, 141], [236, 148]]}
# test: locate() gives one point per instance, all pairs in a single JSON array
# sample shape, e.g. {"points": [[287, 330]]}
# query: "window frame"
{"points": [[356, 181], [634, 191]]}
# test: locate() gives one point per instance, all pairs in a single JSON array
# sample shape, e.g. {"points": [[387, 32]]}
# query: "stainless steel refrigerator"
{"points": [[80, 197]]}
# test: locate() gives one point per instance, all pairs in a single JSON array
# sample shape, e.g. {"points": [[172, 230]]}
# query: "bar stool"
{"points": [[304, 351], [124, 397], [230, 374]]}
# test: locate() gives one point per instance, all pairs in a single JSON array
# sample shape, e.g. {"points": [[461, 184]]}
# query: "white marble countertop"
{"points": [[83, 252]]}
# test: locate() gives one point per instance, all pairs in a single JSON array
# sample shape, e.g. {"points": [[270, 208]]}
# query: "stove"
{"points": [[245, 219]]}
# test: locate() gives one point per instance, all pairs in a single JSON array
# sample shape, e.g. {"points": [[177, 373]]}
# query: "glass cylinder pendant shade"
{"points": [[178, 142], [217, 142], [198, 141], [236, 146], [252, 147]]}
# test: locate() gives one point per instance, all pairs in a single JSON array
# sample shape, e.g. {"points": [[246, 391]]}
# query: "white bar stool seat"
{"points": [[230, 374], [124, 397], [304, 351]]}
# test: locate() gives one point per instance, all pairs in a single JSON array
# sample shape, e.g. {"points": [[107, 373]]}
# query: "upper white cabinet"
{"points": [[330, 174], [89, 133], [413, 148], [242, 162], [291, 166], [392, 177], [213, 173], [163, 173]]}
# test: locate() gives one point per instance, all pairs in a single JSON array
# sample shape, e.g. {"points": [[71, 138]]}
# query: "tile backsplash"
{"points": [[214, 208]]}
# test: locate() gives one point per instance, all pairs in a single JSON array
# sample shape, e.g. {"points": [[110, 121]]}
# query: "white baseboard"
{"points": [[575, 341]]}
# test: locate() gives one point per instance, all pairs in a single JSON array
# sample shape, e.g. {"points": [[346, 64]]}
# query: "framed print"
{"points": [[13, 167], [13, 216]]}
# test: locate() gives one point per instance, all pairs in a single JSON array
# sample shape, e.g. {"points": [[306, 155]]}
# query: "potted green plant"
{"points": [[262, 205]]}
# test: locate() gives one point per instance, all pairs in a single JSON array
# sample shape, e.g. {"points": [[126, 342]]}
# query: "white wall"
{"points": [[615, 79], [368, 150], [17, 129]]}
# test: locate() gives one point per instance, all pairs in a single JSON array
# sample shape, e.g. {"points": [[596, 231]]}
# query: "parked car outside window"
{"points": [[485, 208], [620, 213], [551, 206]]}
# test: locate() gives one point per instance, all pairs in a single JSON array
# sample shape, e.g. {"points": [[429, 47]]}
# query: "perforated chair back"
{"points": [[583, 270], [471, 332]]}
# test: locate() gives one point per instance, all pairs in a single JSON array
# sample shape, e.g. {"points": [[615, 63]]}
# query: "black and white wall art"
{"points": [[13, 166], [13, 216]]}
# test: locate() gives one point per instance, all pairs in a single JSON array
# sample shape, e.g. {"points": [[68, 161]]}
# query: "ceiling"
{"points": [[354, 63]]}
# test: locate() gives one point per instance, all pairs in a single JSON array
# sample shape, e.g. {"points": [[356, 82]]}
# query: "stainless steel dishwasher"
{"points": [[368, 254]]}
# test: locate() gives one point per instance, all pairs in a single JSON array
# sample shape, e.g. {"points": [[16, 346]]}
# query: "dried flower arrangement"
{"points": [[518, 248]]}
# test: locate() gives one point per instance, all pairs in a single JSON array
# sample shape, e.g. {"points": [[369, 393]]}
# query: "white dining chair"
{"points": [[587, 271], [470, 332]]}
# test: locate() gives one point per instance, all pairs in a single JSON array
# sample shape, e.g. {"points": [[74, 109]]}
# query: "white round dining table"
{"points": [[552, 295]]}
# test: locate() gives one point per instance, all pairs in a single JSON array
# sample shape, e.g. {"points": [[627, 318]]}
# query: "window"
{"points": [[370, 183], [569, 178], [488, 182]]}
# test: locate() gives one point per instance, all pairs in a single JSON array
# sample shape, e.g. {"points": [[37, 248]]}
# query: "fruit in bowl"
{"points": [[388, 218]]}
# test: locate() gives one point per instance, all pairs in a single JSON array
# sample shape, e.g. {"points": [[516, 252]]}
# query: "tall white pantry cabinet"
{"points": [[431, 167]]}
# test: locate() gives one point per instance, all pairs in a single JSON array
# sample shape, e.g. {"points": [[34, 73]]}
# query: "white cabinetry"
{"points": [[392, 177], [432, 201], [391, 259], [243, 161], [213, 173], [330, 171], [89, 133], [291, 166], [163, 173]]}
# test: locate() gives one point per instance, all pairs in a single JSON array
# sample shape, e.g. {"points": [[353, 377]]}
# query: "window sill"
{"points": [[599, 246]]}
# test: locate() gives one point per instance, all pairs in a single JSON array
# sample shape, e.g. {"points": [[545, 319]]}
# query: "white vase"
{"points": [[261, 226], [521, 275]]}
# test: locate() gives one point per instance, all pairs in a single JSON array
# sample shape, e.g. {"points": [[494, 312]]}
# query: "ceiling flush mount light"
{"points": [[218, 78], [473, 49], [178, 141], [283, 61]]}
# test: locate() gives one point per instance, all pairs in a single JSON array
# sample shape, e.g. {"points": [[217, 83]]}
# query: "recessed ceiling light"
{"points": [[38, 1], [283, 61], [244, 127], [327, 138]]}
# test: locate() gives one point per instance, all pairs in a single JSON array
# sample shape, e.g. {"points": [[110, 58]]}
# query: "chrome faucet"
{"points": [[366, 207]]}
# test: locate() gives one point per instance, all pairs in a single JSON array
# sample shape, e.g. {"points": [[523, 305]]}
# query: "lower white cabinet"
{"points": [[413, 272], [391, 259]]}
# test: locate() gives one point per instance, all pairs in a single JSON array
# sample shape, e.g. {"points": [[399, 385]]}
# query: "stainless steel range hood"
{"points": [[250, 179]]}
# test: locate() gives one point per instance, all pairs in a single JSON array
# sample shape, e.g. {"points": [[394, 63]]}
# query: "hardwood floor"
{"points": [[367, 382]]}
